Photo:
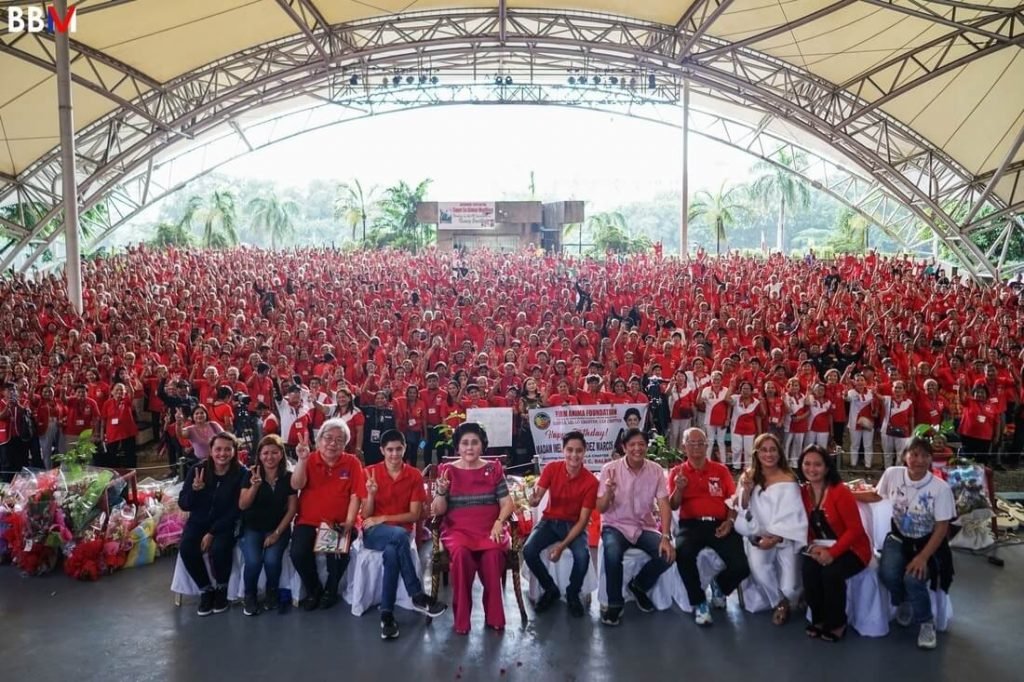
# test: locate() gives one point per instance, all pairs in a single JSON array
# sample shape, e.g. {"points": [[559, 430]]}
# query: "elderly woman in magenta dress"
{"points": [[472, 496]]}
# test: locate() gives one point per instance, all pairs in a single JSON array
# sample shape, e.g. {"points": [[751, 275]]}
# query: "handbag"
{"points": [[896, 432], [331, 540]]}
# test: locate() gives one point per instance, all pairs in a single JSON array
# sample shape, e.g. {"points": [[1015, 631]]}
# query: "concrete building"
{"points": [[500, 225]]}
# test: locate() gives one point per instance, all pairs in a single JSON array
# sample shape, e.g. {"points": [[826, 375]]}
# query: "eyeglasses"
{"points": [[333, 440], [701, 443]]}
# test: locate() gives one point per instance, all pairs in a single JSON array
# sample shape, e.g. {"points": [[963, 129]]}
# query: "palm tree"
{"points": [[274, 217], [851, 233], [719, 210], [354, 206], [611, 234], [216, 216], [776, 184], [396, 224], [171, 234]]}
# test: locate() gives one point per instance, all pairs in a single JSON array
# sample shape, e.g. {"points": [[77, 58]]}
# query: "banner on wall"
{"points": [[465, 215], [601, 425], [497, 423]]}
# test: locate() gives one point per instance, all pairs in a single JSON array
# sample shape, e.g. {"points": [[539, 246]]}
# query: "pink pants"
{"points": [[465, 564]]}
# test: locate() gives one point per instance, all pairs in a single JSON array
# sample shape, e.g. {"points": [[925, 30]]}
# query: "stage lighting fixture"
{"points": [[410, 80], [354, 80], [652, 81], [433, 80], [508, 80], [498, 80], [597, 80], [632, 82], [423, 79], [614, 80], [572, 80], [396, 80]]}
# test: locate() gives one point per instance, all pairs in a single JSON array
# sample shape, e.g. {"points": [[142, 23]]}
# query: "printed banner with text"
{"points": [[601, 425], [465, 215]]}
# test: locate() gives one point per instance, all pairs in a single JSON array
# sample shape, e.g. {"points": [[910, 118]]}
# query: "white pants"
{"points": [[777, 571], [892, 448], [793, 446], [716, 434], [49, 442], [742, 445], [858, 438], [819, 438], [676, 428]]}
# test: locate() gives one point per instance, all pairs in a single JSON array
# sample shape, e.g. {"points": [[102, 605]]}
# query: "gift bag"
{"points": [[330, 540]]}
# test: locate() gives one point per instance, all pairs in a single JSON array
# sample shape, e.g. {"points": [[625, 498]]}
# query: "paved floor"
{"points": [[125, 627]]}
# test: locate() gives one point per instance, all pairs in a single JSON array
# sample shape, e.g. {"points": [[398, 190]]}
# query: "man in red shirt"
{"points": [[699, 488], [393, 503], [572, 494], [82, 414]]}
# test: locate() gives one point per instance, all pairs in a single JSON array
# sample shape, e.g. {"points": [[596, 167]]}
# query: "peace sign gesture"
{"points": [[442, 484], [610, 484], [371, 482], [302, 449], [254, 475], [197, 481]]}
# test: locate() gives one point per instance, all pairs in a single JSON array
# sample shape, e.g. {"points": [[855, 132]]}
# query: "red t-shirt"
{"points": [[394, 495], [329, 489], [706, 490], [567, 496], [81, 416], [118, 420]]}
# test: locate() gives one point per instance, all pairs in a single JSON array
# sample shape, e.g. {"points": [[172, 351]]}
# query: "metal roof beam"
{"points": [[304, 6], [920, 10], [697, 19]]}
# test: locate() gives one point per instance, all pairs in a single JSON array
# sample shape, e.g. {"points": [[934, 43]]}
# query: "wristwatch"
{"points": [[666, 536]]}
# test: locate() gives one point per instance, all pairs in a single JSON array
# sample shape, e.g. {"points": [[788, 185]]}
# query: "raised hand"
{"points": [[302, 449], [371, 482], [681, 482], [197, 481], [254, 476], [609, 484], [443, 483]]}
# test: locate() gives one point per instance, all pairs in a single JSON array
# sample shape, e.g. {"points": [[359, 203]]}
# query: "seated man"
{"points": [[700, 488], [573, 494], [628, 490], [393, 502]]}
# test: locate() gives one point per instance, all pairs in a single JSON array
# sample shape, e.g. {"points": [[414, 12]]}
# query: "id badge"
{"points": [[115, 421], [375, 435]]}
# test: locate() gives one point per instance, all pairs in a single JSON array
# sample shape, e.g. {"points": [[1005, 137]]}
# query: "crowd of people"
{"points": [[851, 354], [374, 357]]}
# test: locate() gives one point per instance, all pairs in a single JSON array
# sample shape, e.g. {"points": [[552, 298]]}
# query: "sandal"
{"points": [[813, 631], [833, 637], [780, 613]]}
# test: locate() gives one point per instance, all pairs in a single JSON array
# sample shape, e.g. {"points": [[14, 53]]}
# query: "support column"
{"points": [[73, 256], [684, 229]]}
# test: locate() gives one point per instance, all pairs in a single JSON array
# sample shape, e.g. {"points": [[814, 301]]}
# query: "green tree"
{"points": [[353, 205], [775, 184], [610, 233], [273, 217], [171, 234], [215, 216], [720, 210], [396, 223], [851, 234]]}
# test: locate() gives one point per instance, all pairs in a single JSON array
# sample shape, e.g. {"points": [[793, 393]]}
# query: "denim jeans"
{"points": [[546, 534], [892, 571], [393, 541], [615, 545], [259, 559], [221, 553]]}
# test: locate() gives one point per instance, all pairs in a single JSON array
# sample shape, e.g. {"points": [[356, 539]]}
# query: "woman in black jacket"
{"points": [[210, 495]]}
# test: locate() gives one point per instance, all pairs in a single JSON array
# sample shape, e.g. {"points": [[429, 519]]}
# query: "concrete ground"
{"points": [[125, 627]]}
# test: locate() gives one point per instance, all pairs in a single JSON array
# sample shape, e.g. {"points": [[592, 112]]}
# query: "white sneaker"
{"points": [[905, 614], [717, 597], [702, 615], [926, 637]]}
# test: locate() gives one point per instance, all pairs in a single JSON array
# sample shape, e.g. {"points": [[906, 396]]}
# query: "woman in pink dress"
{"points": [[472, 496]]}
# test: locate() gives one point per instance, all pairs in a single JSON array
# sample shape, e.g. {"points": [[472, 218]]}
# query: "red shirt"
{"points": [[706, 490], [567, 496], [410, 418], [81, 416], [394, 495], [118, 420], [329, 489], [600, 398], [435, 401]]}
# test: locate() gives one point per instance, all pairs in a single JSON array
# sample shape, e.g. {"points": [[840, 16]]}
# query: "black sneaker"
{"points": [[328, 599], [311, 602], [271, 599], [546, 601], [220, 600], [388, 626], [576, 609], [612, 616], [251, 605], [424, 604], [205, 603], [643, 602]]}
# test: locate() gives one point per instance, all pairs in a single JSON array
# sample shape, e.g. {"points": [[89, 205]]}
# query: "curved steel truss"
{"points": [[537, 47]]}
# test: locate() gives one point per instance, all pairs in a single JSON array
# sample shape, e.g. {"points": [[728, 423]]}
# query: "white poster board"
{"points": [[497, 424], [600, 425], [465, 215]]}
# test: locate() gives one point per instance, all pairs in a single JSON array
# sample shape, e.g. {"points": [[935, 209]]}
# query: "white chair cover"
{"points": [[560, 573], [667, 590], [182, 583], [364, 578]]}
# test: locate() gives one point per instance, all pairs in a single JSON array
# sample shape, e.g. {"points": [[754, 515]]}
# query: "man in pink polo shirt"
{"points": [[629, 488]]}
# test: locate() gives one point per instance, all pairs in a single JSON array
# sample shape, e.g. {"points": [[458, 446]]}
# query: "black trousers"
{"points": [[121, 454], [825, 588], [221, 554], [304, 561], [976, 448], [695, 536], [14, 456], [433, 451]]}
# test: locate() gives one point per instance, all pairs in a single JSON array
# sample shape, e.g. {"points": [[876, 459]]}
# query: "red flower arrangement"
{"points": [[85, 562]]}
